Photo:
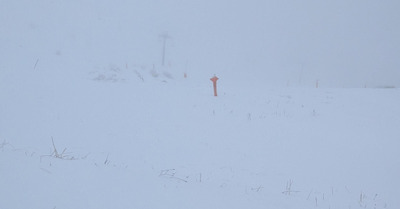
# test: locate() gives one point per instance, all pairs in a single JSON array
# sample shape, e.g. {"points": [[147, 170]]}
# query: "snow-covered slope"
{"points": [[170, 144], [89, 118]]}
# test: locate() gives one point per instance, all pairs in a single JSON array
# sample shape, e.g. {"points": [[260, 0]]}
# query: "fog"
{"points": [[340, 43], [286, 43]]}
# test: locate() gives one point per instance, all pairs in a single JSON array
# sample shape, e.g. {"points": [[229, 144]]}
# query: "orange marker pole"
{"points": [[214, 80]]}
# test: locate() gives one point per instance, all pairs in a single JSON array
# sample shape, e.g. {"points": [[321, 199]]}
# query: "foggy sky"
{"points": [[340, 43]]}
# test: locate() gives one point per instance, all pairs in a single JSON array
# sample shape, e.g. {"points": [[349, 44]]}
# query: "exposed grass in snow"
{"points": [[177, 144]]}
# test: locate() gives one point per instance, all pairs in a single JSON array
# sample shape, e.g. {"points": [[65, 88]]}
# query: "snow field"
{"points": [[164, 143]]}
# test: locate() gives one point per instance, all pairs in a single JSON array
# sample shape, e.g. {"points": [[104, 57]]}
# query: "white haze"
{"points": [[285, 43]]}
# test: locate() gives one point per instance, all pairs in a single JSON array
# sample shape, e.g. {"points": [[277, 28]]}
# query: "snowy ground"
{"points": [[147, 142]]}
